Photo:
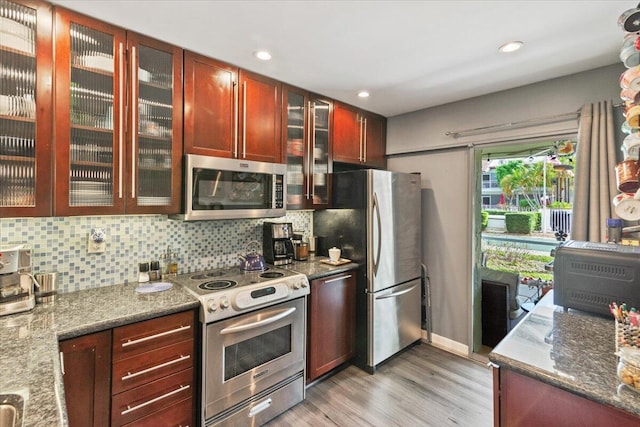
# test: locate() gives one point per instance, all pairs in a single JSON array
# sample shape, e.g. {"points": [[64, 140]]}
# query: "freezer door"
{"points": [[394, 320], [394, 229]]}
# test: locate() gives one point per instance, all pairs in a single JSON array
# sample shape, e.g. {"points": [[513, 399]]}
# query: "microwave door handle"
{"points": [[376, 208], [240, 328]]}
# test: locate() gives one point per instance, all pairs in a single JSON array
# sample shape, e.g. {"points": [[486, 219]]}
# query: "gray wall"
{"points": [[448, 176]]}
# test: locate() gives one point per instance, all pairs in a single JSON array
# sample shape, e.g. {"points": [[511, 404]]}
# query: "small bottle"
{"points": [[154, 273], [614, 230], [143, 272]]}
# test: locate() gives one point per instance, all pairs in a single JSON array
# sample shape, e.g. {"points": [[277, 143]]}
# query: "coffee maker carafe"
{"points": [[16, 280], [276, 242]]}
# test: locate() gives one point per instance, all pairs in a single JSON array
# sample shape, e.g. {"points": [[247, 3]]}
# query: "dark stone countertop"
{"points": [[29, 356], [568, 349], [314, 268]]}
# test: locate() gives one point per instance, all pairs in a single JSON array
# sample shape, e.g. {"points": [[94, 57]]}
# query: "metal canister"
{"points": [[47, 287]]}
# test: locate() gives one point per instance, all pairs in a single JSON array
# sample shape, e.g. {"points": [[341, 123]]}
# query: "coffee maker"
{"points": [[16, 279], [276, 242]]}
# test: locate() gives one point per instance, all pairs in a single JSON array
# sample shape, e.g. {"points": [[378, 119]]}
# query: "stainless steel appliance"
{"points": [[377, 224], [589, 276], [16, 280], [277, 246], [220, 188], [253, 342]]}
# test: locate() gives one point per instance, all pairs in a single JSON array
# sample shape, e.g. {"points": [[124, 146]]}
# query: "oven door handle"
{"points": [[245, 327]]}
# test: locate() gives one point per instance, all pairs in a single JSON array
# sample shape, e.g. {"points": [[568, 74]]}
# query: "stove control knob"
{"points": [[304, 283], [295, 285], [224, 303], [213, 306]]}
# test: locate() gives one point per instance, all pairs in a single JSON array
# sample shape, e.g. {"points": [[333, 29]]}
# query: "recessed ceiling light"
{"points": [[263, 55], [363, 94], [510, 47]]}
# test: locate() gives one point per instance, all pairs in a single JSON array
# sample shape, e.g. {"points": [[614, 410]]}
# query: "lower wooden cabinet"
{"points": [[331, 323], [141, 374], [86, 367], [523, 401]]}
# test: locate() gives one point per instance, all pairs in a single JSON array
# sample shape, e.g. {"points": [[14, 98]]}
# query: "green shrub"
{"points": [[485, 219], [520, 222], [525, 203], [560, 205], [494, 212], [538, 221]]}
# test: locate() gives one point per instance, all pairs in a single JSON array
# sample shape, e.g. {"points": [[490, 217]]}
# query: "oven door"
{"points": [[247, 354]]}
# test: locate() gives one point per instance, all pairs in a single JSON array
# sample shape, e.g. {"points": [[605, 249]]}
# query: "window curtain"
{"points": [[595, 181]]}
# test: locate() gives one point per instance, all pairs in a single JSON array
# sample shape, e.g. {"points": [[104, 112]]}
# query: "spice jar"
{"points": [[629, 367]]}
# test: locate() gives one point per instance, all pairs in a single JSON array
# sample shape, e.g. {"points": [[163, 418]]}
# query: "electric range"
{"points": [[227, 292]]}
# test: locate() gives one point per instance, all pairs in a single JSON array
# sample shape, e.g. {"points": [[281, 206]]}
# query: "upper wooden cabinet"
{"points": [[230, 112], [307, 144], [118, 127], [359, 137], [25, 108]]}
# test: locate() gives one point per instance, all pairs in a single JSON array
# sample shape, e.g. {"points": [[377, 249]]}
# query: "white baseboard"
{"points": [[447, 344]]}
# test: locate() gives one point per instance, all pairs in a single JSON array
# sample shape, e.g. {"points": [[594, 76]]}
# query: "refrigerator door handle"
{"points": [[376, 208], [396, 294]]}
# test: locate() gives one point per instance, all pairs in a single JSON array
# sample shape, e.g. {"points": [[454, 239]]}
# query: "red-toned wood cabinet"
{"points": [[229, 112], [306, 142], [118, 127], [26, 116], [359, 137], [331, 323], [86, 371], [523, 401]]}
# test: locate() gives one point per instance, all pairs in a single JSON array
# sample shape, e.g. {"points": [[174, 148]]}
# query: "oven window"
{"points": [[246, 355], [218, 189]]}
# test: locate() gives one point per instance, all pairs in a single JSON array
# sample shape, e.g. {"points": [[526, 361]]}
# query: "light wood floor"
{"points": [[424, 386]]}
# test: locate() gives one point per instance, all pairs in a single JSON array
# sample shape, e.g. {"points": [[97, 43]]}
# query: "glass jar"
{"points": [[629, 368]]}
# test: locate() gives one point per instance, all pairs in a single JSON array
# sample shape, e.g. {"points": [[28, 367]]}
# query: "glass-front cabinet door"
{"points": [[25, 108], [307, 143], [155, 126], [90, 132]]}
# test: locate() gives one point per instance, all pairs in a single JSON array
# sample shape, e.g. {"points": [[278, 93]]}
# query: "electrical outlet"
{"points": [[97, 241]]}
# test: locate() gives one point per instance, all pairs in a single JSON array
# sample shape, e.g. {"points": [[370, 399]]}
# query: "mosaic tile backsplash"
{"points": [[60, 244]]}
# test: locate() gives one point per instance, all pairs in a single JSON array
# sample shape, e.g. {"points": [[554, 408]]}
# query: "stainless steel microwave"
{"points": [[221, 188]]}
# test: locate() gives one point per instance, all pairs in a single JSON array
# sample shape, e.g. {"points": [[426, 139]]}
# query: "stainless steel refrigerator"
{"points": [[375, 220]]}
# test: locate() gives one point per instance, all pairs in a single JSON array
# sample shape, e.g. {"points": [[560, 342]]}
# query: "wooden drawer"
{"points": [[180, 414], [143, 368], [154, 396], [151, 334]]}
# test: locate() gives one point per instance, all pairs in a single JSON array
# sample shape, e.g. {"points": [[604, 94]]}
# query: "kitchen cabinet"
{"points": [[359, 137], [331, 323], [86, 368], [522, 401], [26, 117], [307, 144], [153, 368], [118, 127], [229, 112]]}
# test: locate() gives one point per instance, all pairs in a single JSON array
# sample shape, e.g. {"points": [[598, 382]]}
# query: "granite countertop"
{"points": [[314, 268], [29, 360], [569, 349]]}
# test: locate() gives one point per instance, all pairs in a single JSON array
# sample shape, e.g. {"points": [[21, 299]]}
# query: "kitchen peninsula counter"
{"points": [[314, 268], [569, 350], [29, 360]]}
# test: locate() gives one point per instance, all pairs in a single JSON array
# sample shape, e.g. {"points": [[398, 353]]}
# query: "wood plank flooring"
{"points": [[423, 386]]}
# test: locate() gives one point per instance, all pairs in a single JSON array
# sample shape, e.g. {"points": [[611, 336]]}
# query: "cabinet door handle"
{"points": [[309, 131], [364, 141], [312, 160], [235, 118], [154, 400], [134, 122], [338, 278], [62, 363], [360, 138], [152, 337], [156, 367], [244, 119], [121, 118]]}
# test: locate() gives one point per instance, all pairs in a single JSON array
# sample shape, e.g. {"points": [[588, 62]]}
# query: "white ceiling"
{"points": [[409, 54]]}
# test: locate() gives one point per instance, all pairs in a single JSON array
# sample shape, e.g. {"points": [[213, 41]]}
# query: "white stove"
{"points": [[227, 292]]}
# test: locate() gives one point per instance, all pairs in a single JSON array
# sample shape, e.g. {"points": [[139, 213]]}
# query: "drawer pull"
{"points": [[152, 337], [338, 278], [259, 408], [153, 368], [149, 402]]}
